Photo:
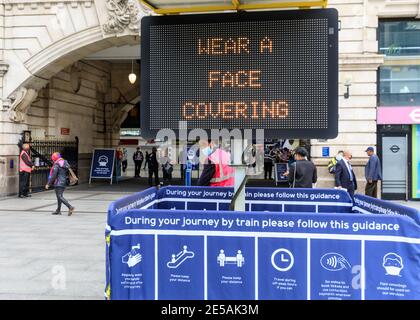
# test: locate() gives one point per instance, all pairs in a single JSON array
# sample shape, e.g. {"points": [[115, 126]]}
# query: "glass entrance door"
{"points": [[394, 158]]}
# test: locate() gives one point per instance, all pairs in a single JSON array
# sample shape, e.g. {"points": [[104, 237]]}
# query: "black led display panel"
{"points": [[276, 71]]}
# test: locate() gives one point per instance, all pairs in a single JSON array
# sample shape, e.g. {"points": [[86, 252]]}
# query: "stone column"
{"points": [[358, 63]]}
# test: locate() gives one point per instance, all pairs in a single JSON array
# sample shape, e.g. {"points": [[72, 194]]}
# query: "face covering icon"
{"points": [[393, 264]]}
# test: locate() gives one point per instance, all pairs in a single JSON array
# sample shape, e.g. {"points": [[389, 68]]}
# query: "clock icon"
{"points": [[282, 260]]}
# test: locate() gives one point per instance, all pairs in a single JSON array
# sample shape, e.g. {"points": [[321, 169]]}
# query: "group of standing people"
{"points": [[302, 172], [153, 163], [345, 177], [276, 155]]}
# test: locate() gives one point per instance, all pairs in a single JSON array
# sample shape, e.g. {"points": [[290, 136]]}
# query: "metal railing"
{"points": [[41, 151]]}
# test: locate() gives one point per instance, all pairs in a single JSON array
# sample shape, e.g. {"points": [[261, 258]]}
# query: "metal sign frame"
{"points": [[235, 5]]}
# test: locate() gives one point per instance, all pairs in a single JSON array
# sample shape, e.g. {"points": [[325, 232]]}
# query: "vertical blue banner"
{"points": [[181, 267], [282, 269], [133, 267], [231, 268], [335, 269], [391, 270]]}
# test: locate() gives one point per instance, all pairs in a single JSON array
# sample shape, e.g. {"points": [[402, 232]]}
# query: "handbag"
{"points": [[73, 179]]}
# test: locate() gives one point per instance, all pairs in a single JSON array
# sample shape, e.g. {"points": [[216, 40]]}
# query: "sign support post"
{"points": [[238, 149]]}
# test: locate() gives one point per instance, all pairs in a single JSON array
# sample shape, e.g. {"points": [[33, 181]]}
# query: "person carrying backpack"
{"points": [[58, 178], [333, 162]]}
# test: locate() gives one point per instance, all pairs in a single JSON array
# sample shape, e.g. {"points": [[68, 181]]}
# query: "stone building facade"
{"points": [[46, 83]]}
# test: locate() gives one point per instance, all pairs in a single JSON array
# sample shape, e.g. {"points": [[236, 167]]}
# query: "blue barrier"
{"points": [[189, 253], [257, 199], [365, 204], [146, 199]]}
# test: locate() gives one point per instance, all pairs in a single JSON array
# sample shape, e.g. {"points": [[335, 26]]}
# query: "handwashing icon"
{"points": [[180, 258], [133, 257]]}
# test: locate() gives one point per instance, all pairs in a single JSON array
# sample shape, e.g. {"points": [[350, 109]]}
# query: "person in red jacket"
{"points": [[217, 172], [25, 168]]}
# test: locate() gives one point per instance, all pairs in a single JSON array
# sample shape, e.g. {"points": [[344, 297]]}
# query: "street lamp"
{"points": [[132, 76], [347, 83]]}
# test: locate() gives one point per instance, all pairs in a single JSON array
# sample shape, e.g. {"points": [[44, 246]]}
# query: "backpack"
{"points": [[332, 166]]}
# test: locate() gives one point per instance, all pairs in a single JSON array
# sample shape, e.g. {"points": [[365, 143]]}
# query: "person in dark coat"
{"points": [[344, 174], [58, 179], [138, 161], [373, 173], [153, 164], [146, 160], [302, 173], [268, 162]]}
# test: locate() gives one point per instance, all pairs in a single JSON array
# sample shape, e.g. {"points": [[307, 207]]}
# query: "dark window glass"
{"points": [[399, 38], [399, 85]]}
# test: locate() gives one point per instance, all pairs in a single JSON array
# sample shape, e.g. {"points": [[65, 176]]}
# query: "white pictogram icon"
{"points": [[222, 259], [180, 258], [133, 257], [282, 260], [393, 264]]}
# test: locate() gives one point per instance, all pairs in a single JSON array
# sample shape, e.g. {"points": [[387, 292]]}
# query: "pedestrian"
{"points": [[124, 161], [25, 168], [183, 161], [146, 162], [333, 161], [268, 163], [302, 173], [58, 179], [138, 161], [373, 173], [153, 165], [167, 169], [344, 174], [217, 171]]}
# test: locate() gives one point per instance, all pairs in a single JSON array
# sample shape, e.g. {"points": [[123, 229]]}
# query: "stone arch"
{"points": [[50, 61], [122, 112], [89, 26]]}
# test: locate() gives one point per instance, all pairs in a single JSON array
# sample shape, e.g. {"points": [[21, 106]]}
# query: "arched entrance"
{"points": [[50, 88]]}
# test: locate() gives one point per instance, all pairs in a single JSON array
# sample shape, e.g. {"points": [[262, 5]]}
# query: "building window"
{"points": [[399, 77], [399, 38], [399, 85]]}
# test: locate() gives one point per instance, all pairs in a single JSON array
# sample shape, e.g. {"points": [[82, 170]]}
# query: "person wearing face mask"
{"points": [[333, 162], [216, 171]]}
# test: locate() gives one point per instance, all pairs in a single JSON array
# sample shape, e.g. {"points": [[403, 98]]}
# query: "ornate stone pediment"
{"points": [[122, 14]]}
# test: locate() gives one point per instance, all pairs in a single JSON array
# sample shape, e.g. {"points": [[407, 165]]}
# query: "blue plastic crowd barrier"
{"points": [[185, 245]]}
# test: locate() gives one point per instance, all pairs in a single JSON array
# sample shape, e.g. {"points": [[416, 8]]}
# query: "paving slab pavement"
{"points": [[50, 257]]}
